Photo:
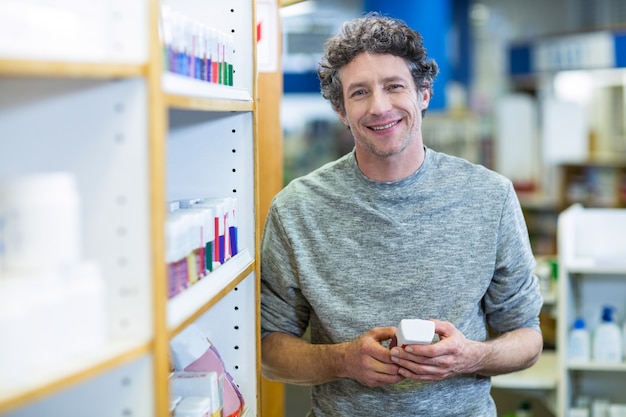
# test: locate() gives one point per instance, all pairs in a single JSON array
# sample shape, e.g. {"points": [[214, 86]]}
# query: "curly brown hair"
{"points": [[373, 34]]}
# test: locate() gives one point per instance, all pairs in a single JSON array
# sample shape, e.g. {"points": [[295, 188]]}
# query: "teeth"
{"points": [[388, 125]]}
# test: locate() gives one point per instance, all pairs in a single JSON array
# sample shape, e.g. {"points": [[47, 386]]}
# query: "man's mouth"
{"points": [[385, 126]]}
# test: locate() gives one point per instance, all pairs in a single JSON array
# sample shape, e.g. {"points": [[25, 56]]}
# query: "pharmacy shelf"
{"points": [[178, 85], [79, 370], [592, 273], [540, 376], [597, 366], [597, 266], [28, 68], [86, 94], [207, 103], [190, 304]]}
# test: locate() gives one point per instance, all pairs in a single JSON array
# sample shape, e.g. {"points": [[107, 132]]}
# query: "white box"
{"points": [[415, 332]]}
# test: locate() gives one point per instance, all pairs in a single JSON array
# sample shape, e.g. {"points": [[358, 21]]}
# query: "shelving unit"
{"points": [[540, 381], [594, 183], [592, 273], [102, 109], [541, 214]]}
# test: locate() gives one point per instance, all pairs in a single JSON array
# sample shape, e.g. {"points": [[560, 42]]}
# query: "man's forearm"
{"points": [[510, 352], [290, 359]]}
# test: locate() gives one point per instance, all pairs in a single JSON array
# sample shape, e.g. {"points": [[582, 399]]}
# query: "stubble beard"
{"points": [[371, 146]]}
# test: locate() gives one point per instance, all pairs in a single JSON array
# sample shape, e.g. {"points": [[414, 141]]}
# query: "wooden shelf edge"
{"points": [[192, 303], [190, 94], [28, 68], [121, 355], [208, 104], [214, 300], [284, 3]]}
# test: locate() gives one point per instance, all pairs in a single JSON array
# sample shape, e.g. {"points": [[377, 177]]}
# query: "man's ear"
{"points": [[342, 117], [425, 98]]}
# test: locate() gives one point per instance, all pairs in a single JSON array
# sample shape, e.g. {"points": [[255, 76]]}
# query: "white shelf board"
{"points": [[74, 366], [597, 366], [549, 298], [596, 266], [180, 85], [540, 376], [188, 302]]}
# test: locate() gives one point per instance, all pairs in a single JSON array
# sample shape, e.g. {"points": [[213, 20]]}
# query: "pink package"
{"points": [[192, 351], [211, 361]]}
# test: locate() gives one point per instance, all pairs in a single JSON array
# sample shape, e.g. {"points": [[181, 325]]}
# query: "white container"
{"points": [[200, 384], [415, 332], [607, 339], [579, 342], [578, 412], [193, 407], [600, 407], [50, 302], [617, 410], [32, 313], [20, 339], [39, 222], [86, 324]]}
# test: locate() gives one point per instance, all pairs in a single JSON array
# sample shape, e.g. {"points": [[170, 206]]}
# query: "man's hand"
{"points": [[368, 361], [293, 360], [454, 354]]}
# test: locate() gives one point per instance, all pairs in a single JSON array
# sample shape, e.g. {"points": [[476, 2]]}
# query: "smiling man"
{"points": [[394, 230]]}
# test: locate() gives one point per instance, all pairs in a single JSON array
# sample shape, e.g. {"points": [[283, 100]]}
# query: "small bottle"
{"points": [[607, 338], [579, 345]]}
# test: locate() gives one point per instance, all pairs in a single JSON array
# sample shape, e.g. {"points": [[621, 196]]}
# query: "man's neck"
{"points": [[390, 168]]}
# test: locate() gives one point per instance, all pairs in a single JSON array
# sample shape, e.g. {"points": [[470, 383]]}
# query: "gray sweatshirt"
{"points": [[344, 254]]}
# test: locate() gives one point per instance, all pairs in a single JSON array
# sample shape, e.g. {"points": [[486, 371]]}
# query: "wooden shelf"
{"points": [[207, 104], [541, 376], [284, 3], [109, 123], [187, 306], [25, 68], [80, 370]]}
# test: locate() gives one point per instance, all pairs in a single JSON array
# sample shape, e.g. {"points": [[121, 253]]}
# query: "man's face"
{"points": [[382, 105]]}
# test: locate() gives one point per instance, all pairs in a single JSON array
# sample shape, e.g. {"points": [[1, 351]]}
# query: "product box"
{"points": [[415, 332], [192, 384]]}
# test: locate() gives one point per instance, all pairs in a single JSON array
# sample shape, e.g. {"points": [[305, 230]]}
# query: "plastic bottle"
{"points": [[607, 338], [579, 342]]}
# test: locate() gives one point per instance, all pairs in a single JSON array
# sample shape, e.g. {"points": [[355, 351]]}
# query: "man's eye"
{"points": [[358, 93], [395, 86]]}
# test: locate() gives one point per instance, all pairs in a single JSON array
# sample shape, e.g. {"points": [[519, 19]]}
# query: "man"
{"points": [[394, 230]]}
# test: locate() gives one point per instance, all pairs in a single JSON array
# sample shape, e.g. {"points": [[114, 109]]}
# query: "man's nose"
{"points": [[380, 102]]}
